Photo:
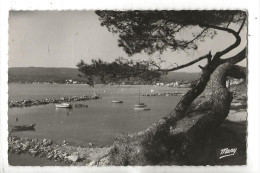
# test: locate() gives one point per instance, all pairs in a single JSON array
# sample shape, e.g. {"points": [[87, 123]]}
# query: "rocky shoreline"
{"points": [[46, 148], [28, 102], [92, 155]]}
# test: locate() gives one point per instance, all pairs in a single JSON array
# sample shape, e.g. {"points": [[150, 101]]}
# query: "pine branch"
{"points": [[188, 64], [242, 25], [185, 44], [237, 58], [231, 47]]}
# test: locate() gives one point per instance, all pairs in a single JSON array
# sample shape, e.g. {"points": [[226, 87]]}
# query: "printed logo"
{"points": [[227, 152]]}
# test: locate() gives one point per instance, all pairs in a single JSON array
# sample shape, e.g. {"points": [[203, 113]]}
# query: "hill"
{"points": [[42, 74], [171, 76], [59, 75]]}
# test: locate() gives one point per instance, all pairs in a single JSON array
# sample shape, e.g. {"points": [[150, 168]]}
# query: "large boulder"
{"points": [[73, 158]]}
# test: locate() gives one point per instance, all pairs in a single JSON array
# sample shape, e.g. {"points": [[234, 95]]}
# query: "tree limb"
{"points": [[188, 64], [231, 47], [228, 24], [241, 25], [201, 67], [185, 44], [237, 58], [179, 28]]}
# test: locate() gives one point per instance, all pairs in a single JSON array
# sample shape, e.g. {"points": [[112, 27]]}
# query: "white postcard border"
{"points": [[253, 79]]}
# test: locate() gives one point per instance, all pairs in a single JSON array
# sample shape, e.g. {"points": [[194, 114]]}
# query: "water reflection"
{"points": [[17, 130], [63, 111]]}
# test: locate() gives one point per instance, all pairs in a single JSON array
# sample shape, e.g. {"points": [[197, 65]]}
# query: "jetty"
{"points": [[29, 102]]}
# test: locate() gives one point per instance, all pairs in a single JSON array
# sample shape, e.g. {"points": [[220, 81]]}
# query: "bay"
{"points": [[100, 123]]}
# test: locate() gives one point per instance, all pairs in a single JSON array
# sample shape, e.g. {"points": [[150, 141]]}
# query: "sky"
{"points": [[63, 38]]}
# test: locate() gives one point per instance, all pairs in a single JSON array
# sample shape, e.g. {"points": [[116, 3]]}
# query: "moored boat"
{"points": [[142, 109], [63, 105], [23, 127], [140, 105], [117, 101]]}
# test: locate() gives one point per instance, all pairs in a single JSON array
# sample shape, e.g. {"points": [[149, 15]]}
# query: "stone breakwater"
{"points": [[26, 103], [172, 94], [46, 148], [164, 94]]}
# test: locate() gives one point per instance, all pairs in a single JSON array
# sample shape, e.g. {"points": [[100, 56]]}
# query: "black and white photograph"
{"points": [[128, 87]]}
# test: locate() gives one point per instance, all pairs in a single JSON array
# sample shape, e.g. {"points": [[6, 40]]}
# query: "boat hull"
{"points": [[24, 127], [117, 101], [63, 105], [140, 105], [142, 109]]}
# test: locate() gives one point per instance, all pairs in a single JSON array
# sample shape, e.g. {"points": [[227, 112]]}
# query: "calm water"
{"points": [[99, 123]]}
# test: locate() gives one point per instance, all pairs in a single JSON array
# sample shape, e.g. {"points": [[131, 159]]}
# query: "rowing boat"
{"points": [[63, 105], [142, 109], [117, 101], [24, 127]]}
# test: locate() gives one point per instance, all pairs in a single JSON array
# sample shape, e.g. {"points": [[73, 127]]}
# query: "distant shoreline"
{"points": [[60, 75]]}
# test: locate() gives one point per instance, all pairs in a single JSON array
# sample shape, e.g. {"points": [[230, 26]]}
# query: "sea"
{"points": [[99, 123]]}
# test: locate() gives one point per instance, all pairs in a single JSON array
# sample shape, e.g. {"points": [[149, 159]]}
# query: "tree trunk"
{"points": [[171, 139]]}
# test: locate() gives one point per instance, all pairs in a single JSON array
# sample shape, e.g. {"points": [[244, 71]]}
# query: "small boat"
{"points": [[117, 101], [142, 109], [80, 105], [63, 105], [24, 127], [140, 105]]}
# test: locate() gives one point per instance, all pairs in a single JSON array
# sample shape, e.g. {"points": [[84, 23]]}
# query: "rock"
{"points": [[17, 146], [103, 162], [92, 163], [47, 149], [65, 154], [33, 153], [90, 144], [41, 155], [73, 158], [50, 142], [55, 156], [49, 156], [18, 152], [36, 147], [46, 142], [25, 147]]}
